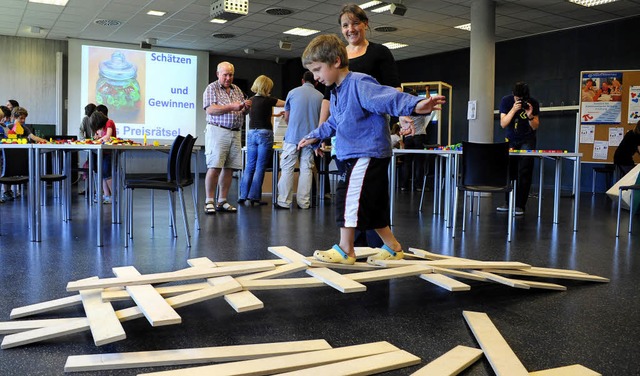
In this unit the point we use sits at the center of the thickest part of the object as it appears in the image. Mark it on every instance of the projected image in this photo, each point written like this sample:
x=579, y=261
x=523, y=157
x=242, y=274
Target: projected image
x=118, y=83
x=148, y=93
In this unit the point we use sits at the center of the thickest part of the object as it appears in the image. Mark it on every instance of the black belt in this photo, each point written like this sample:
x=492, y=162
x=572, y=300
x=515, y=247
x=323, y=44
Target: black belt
x=229, y=129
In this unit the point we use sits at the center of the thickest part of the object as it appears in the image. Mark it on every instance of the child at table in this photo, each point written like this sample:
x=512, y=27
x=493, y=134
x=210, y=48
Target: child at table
x=104, y=128
x=358, y=107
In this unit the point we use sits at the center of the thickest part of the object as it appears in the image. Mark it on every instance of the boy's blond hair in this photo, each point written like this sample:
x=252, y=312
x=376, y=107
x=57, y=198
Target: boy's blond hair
x=262, y=85
x=16, y=112
x=325, y=49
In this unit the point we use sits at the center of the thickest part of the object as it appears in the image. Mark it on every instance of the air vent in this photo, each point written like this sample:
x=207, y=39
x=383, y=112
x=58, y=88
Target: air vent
x=104, y=22
x=279, y=11
x=385, y=29
x=223, y=35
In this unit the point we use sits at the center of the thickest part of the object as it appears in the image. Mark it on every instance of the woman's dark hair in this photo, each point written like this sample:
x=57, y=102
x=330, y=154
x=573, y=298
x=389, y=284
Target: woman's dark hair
x=103, y=109
x=6, y=112
x=636, y=130
x=14, y=103
x=97, y=120
x=354, y=10
x=88, y=109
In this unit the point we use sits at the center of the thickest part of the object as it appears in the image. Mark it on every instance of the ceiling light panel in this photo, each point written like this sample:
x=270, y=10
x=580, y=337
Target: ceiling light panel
x=301, y=31
x=394, y=45
x=51, y=2
x=466, y=27
x=157, y=13
x=370, y=4
x=591, y=3
x=382, y=9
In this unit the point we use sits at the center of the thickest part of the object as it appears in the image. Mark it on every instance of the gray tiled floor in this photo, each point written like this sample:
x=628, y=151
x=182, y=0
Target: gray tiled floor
x=592, y=324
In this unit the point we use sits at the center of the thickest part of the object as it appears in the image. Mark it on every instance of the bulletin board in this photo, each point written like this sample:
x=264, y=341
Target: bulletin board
x=609, y=108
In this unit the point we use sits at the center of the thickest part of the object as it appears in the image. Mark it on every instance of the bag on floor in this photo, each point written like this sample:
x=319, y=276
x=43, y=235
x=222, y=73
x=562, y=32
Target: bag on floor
x=633, y=177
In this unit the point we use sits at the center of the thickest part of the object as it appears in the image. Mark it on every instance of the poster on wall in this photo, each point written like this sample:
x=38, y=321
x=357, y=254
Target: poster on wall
x=601, y=98
x=600, y=150
x=615, y=135
x=634, y=106
x=587, y=133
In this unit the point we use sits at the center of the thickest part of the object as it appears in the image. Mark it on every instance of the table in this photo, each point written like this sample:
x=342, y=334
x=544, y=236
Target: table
x=451, y=167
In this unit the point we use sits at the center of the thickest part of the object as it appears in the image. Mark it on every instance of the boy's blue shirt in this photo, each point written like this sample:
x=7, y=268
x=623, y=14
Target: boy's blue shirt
x=357, y=118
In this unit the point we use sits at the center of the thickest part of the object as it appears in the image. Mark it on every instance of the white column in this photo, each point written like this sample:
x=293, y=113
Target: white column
x=482, y=69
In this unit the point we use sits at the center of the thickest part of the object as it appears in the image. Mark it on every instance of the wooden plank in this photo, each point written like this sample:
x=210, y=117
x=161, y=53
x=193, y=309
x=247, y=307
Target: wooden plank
x=165, y=291
x=287, y=254
x=367, y=365
x=277, y=272
x=555, y=275
x=111, y=361
x=356, y=266
x=501, y=357
x=103, y=322
x=48, y=306
x=54, y=331
x=275, y=262
x=242, y=301
x=126, y=314
x=183, y=275
x=284, y=363
x=364, y=252
x=554, y=270
x=502, y=280
x=451, y=363
x=336, y=280
x=430, y=255
x=282, y=283
x=388, y=273
x=457, y=264
x=201, y=262
x=17, y=326
x=541, y=285
x=572, y=370
x=459, y=273
x=445, y=282
x=157, y=311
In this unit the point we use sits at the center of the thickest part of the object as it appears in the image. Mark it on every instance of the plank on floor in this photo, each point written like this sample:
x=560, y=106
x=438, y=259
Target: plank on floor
x=284, y=363
x=157, y=311
x=445, y=282
x=356, y=266
x=17, y=326
x=277, y=272
x=367, y=365
x=388, y=273
x=502, y=280
x=287, y=254
x=103, y=322
x=572, y=370
x=336, y=280
x=281, y=283
x=457, y=264
x=48, y=306
x=180, y=275
x=54, y=331
x=548, y=274
x=451, y=363
x=501, y=357
x=116, y=295
x=241, y=301
x=111, y=361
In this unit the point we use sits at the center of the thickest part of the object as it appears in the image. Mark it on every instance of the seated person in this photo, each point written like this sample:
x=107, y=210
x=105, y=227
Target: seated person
x=18, y=117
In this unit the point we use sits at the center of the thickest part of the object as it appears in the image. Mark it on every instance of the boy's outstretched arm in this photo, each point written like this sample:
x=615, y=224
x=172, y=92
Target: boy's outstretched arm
x=307, y=141
x=430, y=104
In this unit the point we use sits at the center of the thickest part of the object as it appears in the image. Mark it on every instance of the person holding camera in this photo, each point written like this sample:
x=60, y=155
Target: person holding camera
x=519, y=118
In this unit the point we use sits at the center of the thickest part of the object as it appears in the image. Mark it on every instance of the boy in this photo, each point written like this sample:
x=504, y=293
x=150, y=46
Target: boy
x=19, y=116
x=358, y=104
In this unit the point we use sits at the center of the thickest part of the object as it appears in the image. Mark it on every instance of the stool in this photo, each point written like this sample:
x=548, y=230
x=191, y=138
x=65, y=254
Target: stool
x=632, y=188
x=608, y=173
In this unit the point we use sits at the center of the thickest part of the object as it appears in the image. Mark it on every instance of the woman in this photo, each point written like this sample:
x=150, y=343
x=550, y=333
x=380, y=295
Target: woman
x=623, y=157
x=259, y=141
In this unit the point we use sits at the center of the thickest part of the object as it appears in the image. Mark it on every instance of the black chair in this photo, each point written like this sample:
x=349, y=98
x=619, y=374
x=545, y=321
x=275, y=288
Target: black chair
x=485, y=168
x=632, y=188
x=608, y=171
x=15, y=167
x=177, y=178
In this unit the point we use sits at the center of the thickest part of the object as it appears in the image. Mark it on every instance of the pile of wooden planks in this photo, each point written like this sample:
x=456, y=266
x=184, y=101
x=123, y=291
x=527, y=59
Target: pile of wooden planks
x=157, y=296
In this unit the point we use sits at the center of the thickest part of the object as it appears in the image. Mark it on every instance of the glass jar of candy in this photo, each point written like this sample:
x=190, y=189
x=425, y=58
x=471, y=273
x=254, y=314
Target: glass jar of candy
x=117, y=87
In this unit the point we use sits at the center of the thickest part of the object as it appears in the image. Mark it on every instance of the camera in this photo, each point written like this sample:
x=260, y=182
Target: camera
x=524, y=102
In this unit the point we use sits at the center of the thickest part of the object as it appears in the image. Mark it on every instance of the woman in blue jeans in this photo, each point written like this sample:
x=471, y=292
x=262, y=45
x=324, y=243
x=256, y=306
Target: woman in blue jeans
x=259, y=141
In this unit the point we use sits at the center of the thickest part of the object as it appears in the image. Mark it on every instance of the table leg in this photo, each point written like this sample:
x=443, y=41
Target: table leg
x=274, y=176
x=576, y=203
x=99, y=203
x=556, y=193
x=392, y=188
x=540, y=184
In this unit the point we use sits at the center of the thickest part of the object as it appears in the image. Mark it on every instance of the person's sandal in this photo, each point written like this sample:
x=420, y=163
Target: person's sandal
x=386, y=254
x=209, y=207
x=335, y=255
x=224, y=206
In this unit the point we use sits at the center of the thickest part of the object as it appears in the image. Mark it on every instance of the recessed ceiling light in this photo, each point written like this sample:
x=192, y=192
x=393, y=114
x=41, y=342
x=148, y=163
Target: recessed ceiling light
x=50, y=2
x=278, y=11
x=104, y=22
x=466, y=27
x=157, y=13
x=382, y=9
x=218, y=21
x=370, y=4
x=394, y=45
x=301, y=31
x=591, y=3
